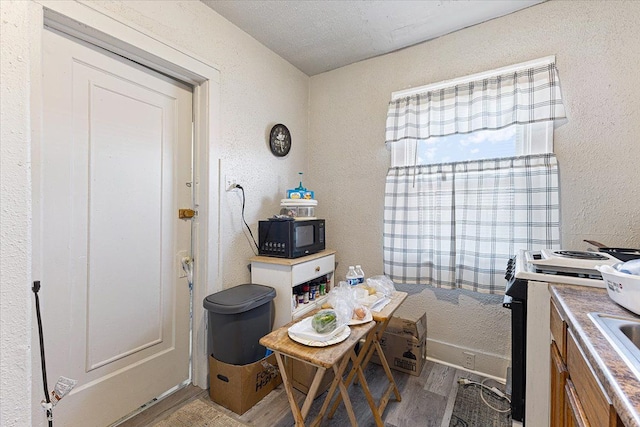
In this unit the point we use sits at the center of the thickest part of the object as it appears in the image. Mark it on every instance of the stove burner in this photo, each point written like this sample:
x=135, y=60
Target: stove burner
x=581, y=255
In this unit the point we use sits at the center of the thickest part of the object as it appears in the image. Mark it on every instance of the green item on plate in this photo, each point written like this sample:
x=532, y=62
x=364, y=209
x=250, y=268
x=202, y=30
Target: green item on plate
x=324, y=321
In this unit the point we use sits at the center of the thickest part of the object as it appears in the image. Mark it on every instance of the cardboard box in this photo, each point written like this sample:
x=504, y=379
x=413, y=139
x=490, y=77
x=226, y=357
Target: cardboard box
x=404, y=344
x=404, y=353
x=410, y=325
x=301, y=376
x=239, y=387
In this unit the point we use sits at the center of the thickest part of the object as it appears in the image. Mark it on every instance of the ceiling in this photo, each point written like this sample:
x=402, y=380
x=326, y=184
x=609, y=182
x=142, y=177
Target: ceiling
x=318, y=36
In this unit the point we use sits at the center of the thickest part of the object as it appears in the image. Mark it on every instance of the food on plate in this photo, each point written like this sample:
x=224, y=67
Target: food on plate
x=359, y=313
x=326, y=305
x=324, y=321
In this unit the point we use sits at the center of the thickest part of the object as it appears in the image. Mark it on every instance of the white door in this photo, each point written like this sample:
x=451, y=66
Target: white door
x=111, y=173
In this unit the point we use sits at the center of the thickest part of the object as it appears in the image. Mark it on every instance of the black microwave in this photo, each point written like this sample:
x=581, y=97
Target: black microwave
x=290, y=238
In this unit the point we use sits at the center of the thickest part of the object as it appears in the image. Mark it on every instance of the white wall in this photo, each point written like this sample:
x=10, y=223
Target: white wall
x=258, y=90
x=597, y=50
x=15, y=215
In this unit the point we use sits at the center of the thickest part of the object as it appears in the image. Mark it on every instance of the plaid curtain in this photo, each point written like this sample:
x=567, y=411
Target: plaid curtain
x=522, y=97
x=459, y=223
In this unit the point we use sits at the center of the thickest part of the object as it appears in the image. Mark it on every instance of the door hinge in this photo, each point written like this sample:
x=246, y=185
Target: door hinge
x=186, y=213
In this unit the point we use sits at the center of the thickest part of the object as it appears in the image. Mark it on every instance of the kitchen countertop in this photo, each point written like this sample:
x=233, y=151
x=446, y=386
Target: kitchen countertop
x=620, y=383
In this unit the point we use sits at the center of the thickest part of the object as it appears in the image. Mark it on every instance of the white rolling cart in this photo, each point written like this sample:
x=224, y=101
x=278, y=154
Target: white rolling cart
x=284, y=274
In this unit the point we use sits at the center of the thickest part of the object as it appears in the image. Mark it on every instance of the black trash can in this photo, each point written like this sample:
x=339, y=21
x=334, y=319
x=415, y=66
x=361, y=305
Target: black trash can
x=238, y=318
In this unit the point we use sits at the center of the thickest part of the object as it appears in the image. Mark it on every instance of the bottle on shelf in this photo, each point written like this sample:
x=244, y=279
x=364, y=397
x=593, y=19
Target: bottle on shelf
x=300, y=298
x=313, y=291
x=305, y=293
x=352, y=276
x=360, y=274
x=322, y=286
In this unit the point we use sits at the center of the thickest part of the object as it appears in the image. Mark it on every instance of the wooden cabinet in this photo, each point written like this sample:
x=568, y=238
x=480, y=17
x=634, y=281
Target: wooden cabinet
x=285, y=274
x=558, y=330
x=558, y=382
x=577, y=398
x=559, y=371
x=574, y=415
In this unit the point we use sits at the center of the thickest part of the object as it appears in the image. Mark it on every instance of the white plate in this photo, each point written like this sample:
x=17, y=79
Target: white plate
x=304, y=330
x=346, y=331
x=367, y=318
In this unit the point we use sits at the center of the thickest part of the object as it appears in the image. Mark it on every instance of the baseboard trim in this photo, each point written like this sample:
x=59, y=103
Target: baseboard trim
x=486, y=364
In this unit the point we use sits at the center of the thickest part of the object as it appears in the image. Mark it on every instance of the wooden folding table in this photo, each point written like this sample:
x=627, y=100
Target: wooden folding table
x=371, y=346
x=335, y=357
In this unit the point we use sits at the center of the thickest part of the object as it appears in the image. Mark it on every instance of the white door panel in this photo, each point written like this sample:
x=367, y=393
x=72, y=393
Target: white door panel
x=135, y=212
x=114, y=169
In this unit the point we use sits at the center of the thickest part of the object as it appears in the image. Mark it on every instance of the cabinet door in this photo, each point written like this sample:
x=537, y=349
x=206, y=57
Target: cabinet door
x=574, y=415
x=558, y=330
x=558, y=381
x=596, y=404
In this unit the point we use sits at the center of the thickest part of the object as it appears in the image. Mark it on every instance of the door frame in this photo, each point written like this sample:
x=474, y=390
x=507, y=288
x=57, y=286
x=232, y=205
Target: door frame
x=100, y=27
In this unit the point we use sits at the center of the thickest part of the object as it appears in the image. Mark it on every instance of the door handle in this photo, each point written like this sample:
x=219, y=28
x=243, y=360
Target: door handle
x=186, y=213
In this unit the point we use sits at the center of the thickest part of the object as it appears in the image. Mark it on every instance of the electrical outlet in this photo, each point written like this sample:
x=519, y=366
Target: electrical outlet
x=229, y=183
x=469, y=361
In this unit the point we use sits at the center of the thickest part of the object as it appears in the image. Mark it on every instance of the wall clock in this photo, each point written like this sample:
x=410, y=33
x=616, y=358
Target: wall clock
x=280, y=140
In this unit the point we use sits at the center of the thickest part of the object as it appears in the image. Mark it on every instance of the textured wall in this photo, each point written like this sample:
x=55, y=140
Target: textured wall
x=258, y=90
x=597, y=51
x=15, y=216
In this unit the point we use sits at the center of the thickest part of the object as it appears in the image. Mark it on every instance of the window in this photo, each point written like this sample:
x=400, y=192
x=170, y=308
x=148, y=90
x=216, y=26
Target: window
x=473, y=177
x=514, y=140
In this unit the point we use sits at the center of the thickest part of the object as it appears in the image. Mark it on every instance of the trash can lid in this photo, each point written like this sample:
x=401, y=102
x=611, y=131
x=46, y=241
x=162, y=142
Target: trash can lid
x=239, y=299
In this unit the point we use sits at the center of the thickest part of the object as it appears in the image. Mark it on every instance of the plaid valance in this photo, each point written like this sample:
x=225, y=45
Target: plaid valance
x=521, y=97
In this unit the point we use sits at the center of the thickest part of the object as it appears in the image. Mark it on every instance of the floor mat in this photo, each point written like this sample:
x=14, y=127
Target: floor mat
x=198, y=414
x=470, y=411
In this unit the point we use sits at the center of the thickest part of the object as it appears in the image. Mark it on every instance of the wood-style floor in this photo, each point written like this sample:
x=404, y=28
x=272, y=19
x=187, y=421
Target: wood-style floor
x=427, y=400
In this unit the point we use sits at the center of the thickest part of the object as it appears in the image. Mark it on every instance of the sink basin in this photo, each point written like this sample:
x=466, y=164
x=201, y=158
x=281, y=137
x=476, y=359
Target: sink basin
x=624, y=335
x=632, y=331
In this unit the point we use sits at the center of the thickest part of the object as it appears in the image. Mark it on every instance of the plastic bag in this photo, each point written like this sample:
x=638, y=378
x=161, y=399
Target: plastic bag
x=360, y=312
x=348, y=300
x=382, y=284
x=342, y=301
x=629, y=267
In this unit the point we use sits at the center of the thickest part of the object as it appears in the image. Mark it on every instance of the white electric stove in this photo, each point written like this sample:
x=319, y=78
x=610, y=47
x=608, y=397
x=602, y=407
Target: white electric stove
x=562, y=266
x=527, y=296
